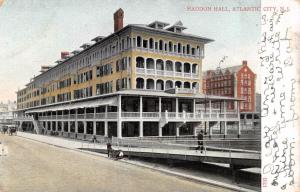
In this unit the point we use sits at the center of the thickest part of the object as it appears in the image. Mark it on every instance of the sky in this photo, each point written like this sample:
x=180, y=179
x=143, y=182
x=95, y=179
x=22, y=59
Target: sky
x=34, y=32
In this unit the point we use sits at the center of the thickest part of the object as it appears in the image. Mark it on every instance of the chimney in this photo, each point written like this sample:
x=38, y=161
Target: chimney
x=118, y=20
x=64, y=54
x=244, y=63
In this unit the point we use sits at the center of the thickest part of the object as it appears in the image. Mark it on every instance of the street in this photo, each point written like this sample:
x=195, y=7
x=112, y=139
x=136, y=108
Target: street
x=33, y=166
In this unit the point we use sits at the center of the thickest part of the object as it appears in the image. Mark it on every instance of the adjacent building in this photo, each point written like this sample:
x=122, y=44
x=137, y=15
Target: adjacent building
x=6, y=113
x=141, y=80
x=236, y=81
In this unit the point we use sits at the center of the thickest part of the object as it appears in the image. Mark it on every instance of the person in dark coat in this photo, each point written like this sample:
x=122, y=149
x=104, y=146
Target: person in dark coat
x=200, y=141
x=109, y=149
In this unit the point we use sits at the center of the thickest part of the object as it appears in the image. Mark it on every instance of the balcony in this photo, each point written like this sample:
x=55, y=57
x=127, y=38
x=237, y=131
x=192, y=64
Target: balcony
x=133, y=116
x=166, y=73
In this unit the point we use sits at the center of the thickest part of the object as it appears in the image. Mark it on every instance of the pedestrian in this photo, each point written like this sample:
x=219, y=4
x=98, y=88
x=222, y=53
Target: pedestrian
x=109, y=149
x=200, y=141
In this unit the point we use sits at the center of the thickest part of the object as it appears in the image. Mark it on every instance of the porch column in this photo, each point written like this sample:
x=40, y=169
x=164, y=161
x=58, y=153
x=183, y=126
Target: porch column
x=84, y=127
x=62, y=126
x=119, y=122
x=141, y=107
x=177, y=129
x=159, y=107
x=56, y=122
x=69, y=122
x=76, y=124
x=56, y=125
x=105, y=122
x=105, y=113
x=194, y=108
x=174, y=71
x=225, y=128
x=69, y=126
x=159, y=131
x=94, y=127
x=141, y=132
x=194, y=128
x=176, y=107
x=105, y=128
x=210, y=129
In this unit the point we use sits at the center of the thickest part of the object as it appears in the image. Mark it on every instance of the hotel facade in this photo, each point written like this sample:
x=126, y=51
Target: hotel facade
x=140, y=81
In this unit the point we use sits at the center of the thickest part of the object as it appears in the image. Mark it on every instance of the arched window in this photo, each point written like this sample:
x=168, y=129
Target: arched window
x=169, y=84
x=150, y=63
x=150, y=84
x=198, y=51
x=159, y=84
x=195, y=85
x=195, y=68
x=178, y=84
x=151, y=43
x=140, y=83
x=140, y=62
x=179, y=48
x=139, y=41
x=193, y=51
x=161, y=44
x=187, y=67
x=187, y=85
x=178, y=67
x=159, y=64
x=169, y=65
x=170, y=46
x=188, y=47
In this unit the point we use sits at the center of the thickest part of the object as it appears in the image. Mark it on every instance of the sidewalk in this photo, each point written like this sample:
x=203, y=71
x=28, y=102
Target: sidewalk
x=76, y=145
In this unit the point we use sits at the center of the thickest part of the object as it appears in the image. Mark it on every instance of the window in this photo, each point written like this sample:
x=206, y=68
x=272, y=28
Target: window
x=161, y=45
x=151, y=43
x=193, y=51
x=145, y=43
x=139, y=41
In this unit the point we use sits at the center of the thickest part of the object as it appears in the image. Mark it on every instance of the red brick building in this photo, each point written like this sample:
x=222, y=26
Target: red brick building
x=236, y=81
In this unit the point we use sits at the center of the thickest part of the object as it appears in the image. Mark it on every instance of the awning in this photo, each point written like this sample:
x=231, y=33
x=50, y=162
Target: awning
x=112, y=101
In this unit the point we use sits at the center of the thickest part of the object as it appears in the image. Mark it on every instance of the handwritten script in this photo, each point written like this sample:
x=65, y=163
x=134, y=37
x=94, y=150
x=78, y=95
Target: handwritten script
x=279, y=113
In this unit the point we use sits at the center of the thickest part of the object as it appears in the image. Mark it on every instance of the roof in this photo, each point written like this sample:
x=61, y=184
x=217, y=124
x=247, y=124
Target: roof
x=199, y=38
x=137, y=26
x=137, y=92
x=164, y=24
x=232, y=70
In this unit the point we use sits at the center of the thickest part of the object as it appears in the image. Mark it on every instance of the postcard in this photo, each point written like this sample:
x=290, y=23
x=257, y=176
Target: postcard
x=161, y=95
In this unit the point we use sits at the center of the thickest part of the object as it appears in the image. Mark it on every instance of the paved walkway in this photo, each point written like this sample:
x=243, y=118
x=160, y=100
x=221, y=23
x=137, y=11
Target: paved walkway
x=35, y=167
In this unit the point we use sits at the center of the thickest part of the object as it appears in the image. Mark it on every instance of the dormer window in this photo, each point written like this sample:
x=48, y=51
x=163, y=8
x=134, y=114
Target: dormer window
x=177, y=27
x=158, y=25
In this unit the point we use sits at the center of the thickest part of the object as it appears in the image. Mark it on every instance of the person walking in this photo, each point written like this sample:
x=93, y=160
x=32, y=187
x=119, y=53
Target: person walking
x=109, y=149
x=200, y=141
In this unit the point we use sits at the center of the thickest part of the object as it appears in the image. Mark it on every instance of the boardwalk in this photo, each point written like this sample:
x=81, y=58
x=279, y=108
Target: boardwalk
x=34, y=166
x=251, y=159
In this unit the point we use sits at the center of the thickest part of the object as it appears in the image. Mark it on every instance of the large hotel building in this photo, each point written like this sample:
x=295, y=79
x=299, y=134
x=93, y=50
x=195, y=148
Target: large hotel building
x=142, y=80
